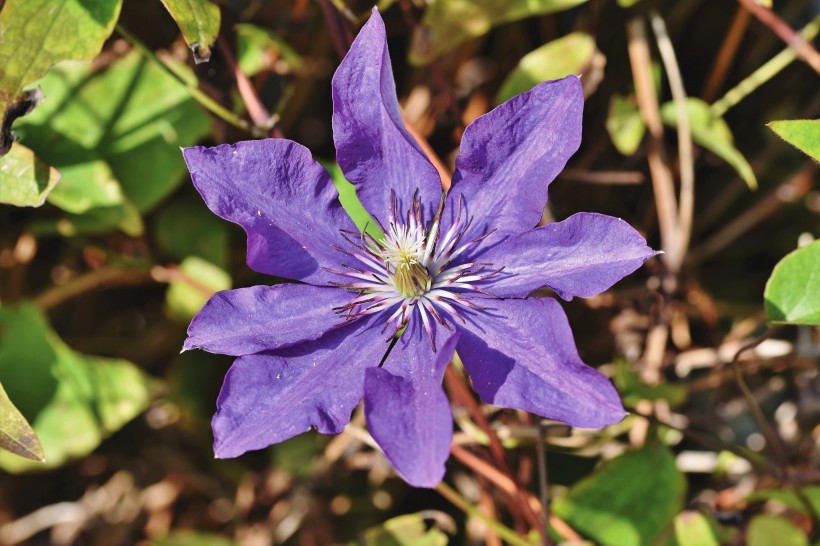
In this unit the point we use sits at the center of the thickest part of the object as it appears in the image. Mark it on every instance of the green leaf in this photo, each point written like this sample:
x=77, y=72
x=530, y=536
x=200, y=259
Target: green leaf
x=765, y=530
x=256, y=47
x=625, y=124
x=197, y=281
x=72, y=400
x=406, y=530
x=187, y=228
x=115, y=137
x=712, y=133
x=792, y=293
x=694, y=529
x=803, y=134
x=556, y=59
x=627, y=3
x=633, y=390
x=35, y=34
x=350, y=201
x=622, y=503
x=448, y=23
x=16, y=435
x=86, y=186
x=25, y=181
x=199, y=22
x=789, y=498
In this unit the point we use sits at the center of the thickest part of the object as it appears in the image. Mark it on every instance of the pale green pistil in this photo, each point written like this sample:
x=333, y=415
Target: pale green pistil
x=412, y=279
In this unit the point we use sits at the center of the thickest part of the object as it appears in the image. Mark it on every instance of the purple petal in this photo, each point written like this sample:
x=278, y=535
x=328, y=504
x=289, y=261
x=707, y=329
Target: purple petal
x=373, y=148
x=284, y=200
x=510, y=155
x=407, y=411
x=520, y=354
x=250, y=320
x=272, y=396
x=581, y=256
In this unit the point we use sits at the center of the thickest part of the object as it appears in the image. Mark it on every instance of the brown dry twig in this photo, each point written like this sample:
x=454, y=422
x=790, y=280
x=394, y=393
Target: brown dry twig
x=803, y=49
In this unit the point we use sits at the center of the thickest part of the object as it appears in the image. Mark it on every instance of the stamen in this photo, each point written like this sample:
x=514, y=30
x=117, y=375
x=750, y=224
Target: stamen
x=409, y=269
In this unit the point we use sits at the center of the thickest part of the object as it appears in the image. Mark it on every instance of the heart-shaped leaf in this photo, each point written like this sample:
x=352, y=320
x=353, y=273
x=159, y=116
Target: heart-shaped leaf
x=792, y=293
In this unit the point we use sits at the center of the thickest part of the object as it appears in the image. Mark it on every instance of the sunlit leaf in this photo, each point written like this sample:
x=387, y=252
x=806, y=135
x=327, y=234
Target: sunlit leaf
x=115, y=137
x=199, y=22
x=86, y=186
x=625, y=124
x=712, y=133
x=694, y=529
x=448, y=23
x=350, y=201
x=766, y=530
x=72, y=400
x=35, y=34
x=803, y=134
x=256, y=47
x=97, y=220
x=567, y=55
x=792, y=293
x=25, y=181
x=407, y=530
x=624, y=504
x=633, y=390
x=16, y=435
x=790, y=498
x=192, y=285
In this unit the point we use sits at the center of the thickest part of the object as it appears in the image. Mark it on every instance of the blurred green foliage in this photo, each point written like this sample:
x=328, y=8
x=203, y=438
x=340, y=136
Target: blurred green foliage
x=630, y=501
x=99, y=160
x=73, y=400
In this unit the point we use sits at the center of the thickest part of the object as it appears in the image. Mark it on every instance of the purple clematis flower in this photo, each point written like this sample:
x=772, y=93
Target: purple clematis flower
x=453, y=270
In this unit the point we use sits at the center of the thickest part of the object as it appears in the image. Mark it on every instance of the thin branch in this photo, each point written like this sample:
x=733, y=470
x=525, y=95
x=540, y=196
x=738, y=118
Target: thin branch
x=727, y=53
x=203, y=99
x=614, y=178
x=763, y=74
x=443, y=171
x=772, y=440
x=434, y=66
x=786, y=192
x=464, y=505
x=105, y=277
x=460, y=395
x=541, y=449
x=687, y=167
x=508, y=486
x=340, y=33
x=801, y=47
x=259, y=114
x=662, y=181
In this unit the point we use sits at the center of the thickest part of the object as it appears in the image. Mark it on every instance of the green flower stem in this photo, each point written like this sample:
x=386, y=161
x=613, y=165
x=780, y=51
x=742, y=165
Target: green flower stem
x=763, y=74
x=464, y=505
x=204, y=100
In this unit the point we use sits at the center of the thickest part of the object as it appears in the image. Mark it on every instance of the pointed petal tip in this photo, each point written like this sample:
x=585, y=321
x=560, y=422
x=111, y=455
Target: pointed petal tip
x=609, y=416
x=223, y=451
x=188, y=345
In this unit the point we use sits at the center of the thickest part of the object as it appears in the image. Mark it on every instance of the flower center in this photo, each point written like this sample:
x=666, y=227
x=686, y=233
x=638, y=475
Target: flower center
x=414, y=267
x=403, y=253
